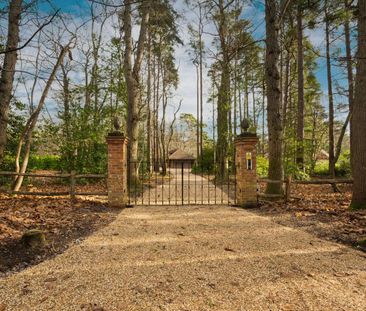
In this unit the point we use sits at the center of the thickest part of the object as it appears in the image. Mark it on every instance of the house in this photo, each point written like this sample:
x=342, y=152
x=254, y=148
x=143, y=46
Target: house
x=178, y=157
x=322, y=155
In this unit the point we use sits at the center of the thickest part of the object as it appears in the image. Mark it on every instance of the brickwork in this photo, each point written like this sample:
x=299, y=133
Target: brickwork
x=246, y=170
x=117, y=171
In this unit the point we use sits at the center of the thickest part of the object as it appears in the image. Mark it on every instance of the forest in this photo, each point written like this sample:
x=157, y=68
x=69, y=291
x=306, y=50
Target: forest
x=182, y=155
x=293, y=69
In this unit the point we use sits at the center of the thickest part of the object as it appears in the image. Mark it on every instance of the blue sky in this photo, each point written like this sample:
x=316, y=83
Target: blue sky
x=187, y=87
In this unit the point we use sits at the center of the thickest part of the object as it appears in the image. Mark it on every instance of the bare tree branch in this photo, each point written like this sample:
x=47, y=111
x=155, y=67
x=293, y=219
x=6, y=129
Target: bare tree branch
x=32, y=36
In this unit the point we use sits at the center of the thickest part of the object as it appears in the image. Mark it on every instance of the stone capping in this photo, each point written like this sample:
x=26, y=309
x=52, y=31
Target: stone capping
x=117, y=136
x=247, y=134
x=247, y=139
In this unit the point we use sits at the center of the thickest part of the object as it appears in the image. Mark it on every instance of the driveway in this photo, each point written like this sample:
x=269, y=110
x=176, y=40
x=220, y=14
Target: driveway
x=193, y=258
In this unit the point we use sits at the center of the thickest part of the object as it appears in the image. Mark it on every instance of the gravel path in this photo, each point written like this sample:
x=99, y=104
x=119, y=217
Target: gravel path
x=193, y=258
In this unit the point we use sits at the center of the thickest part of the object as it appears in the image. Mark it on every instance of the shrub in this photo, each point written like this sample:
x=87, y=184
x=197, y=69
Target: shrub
x=293, y=170
x=206, y=163
x=343, y=166
x=321, y=168
x=36, y=162
x=44, y=162
x=262, y=166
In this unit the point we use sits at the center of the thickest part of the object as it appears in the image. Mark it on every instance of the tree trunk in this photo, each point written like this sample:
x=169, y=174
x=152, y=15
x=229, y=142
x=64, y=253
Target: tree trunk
x=148, y=95
x=330, y=96
x=198, y=113
x=222, y=121
x=223, y=100
x=300, y=99
x=132, y=76
x=338, y=148
x=347, y=38
x=67, y=118
x=286, y=90
x=201, y=82
x=272, y=75
x=263, y=115
x=359, y=116
x=31, y=124
x=246, y=97
x=8, y=68
x=253, y=105
x=235, y=95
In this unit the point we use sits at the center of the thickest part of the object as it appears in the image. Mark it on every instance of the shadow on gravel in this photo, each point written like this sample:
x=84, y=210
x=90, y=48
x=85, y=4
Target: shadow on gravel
x=62, y=223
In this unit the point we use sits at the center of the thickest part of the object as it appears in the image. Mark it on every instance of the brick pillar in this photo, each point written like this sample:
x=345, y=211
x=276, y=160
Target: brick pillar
x=117, y=170
x=246, y=170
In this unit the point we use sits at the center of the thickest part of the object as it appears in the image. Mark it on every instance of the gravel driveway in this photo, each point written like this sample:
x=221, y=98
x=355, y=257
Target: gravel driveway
x=193, y=258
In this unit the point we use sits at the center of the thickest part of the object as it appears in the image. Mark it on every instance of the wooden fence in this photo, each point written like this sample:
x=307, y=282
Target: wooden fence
x=72, y=184
x=288, y=181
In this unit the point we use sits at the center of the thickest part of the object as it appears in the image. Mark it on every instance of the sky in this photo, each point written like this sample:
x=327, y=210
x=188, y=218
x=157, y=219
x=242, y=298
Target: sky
x=187, y=72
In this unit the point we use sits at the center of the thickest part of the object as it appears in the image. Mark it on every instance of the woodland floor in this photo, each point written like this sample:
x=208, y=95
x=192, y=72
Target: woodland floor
x=318, y=210
x=185, y=258
x=64, y=224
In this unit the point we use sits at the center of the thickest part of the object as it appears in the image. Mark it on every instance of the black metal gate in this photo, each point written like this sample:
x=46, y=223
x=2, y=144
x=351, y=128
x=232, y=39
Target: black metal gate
x=181, y=185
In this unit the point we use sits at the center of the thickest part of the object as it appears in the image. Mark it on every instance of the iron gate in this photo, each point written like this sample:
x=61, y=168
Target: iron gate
x=181, y=185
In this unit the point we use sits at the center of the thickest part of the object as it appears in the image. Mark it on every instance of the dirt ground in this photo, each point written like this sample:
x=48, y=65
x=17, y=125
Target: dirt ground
x=193, y=258
x=276, y=257
x=63, y=223
x=315, y=209
x=318, y=210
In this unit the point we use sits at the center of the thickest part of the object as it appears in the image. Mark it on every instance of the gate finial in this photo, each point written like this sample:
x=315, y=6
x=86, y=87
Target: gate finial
x=116, y=124
x=244, y=125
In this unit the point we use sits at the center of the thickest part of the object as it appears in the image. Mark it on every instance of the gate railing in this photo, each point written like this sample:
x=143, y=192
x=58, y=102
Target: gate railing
x=180, y=185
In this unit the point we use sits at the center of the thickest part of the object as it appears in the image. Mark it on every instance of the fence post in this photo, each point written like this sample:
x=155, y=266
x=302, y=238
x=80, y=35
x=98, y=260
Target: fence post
x=288, y=188
x=182, y=183
x=72, y=186
x=117, y=170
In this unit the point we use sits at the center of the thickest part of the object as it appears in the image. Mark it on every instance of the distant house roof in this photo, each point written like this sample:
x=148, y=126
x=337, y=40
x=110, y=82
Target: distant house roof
x=172, y=151
x=181, y=155
x=322, y=155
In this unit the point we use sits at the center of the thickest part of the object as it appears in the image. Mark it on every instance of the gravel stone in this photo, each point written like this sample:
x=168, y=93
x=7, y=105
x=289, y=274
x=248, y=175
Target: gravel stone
x=193, y=258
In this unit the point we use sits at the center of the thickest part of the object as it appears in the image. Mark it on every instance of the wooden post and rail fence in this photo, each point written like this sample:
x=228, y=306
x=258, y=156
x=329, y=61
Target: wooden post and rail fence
x=288, y=182
x=73, y=177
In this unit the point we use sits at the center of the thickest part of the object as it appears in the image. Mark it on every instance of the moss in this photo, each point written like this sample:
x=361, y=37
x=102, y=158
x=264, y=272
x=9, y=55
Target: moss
x=34, y=238
x=274, y=188
x=357, y=206
x=361, y=245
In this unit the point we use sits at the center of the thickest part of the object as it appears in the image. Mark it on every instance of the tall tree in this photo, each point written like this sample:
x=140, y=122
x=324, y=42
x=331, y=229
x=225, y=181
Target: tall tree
x=197, y=46
x=358, y=123
x=132, y=76
x=347, y=40
x=330, y=90
x=31, y=124
x=223, y=98
x=8, y=68
x=273, y=88
x=300, y=88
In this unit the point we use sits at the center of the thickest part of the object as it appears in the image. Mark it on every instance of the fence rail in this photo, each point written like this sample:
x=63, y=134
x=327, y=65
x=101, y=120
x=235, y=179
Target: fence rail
x=289, y=181
x=72, y=184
